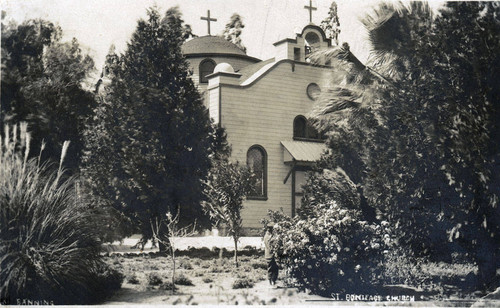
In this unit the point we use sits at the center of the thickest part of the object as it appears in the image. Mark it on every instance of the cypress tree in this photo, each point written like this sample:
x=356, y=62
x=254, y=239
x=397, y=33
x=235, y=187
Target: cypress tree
x=162, y=137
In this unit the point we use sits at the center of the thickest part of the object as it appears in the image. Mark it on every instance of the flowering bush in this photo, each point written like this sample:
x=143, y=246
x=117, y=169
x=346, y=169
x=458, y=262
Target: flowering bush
x=331, y=250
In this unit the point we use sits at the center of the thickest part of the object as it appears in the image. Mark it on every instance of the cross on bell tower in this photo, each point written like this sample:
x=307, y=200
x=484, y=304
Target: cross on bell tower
x=310, y=8
x=208, y=19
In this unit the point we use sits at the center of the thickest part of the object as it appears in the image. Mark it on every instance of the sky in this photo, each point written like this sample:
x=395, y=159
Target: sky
x=97, y=24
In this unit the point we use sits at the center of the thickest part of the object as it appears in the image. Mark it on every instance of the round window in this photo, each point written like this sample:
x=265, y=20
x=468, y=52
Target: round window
x=313, y=91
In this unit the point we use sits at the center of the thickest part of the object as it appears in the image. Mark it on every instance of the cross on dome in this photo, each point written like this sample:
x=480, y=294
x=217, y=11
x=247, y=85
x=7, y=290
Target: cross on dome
x=310, y=8
x=208, y=19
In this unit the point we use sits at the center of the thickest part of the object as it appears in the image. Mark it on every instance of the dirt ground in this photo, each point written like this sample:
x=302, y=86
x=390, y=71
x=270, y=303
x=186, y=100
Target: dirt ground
x=148, y=277
x=212, y=282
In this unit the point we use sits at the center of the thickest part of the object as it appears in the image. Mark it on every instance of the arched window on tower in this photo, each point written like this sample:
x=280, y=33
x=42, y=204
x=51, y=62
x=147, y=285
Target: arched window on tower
x=257, y=163
x=312, y=43
x=206, y=68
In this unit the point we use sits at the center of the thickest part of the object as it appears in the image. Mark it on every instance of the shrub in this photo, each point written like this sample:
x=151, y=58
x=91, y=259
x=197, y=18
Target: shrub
x=183, y=281
x=168, y=286
x=259, y=265
x=185, y=265
x=154, y=279
x=207, y=280
x=108, y=280
x=199, y=273
x=401, y=267
x=331, y=250
x=246, y=269
x=49, y=245
x=243, y=283
x=133, y=279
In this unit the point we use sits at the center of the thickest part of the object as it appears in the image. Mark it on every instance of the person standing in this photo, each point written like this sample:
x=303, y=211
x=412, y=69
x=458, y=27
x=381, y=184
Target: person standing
x=269, y=254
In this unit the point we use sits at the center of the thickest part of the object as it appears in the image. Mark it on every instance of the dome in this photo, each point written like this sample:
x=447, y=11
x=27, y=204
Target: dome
x=224, y=67
x=210, y=45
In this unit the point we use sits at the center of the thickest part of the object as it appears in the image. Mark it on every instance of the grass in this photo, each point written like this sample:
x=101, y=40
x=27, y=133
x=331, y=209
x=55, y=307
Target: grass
x=434, y=277
x=48, y=237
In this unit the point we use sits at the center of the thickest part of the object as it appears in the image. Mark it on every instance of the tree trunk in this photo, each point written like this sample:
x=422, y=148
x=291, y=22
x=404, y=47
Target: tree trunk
x=235, y=251
x=173, y=271
x=487, y=260
x=487, y=246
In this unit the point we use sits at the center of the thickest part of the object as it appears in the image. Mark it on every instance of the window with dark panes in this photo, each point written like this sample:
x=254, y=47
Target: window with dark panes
x=206, y=68
x=257, y=163
x=302, y=129
x=299, y=127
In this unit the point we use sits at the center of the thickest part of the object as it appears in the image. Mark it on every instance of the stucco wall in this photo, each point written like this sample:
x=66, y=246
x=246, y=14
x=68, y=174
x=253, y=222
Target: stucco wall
x=263, y=114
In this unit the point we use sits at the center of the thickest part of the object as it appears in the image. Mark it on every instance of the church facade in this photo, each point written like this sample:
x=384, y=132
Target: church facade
x=263, y=105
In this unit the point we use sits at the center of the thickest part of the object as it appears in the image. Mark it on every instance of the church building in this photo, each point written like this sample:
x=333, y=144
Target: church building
x=263, y=107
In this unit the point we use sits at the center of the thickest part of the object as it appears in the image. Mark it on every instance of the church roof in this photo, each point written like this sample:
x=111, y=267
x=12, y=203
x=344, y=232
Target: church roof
x=210, y=45
x=251, y=69
x=303, y=151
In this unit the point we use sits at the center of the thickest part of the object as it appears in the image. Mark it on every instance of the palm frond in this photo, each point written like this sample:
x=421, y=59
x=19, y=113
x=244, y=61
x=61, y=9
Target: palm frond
x=391, y=32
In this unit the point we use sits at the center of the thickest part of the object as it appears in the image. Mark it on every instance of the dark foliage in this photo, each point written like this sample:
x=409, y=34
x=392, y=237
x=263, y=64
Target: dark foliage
x=416, y=130
x=149, y=146
x=43, y=85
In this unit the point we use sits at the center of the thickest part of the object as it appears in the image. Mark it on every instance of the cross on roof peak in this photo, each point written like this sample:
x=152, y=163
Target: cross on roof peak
x=310, y=8
x=208, y=19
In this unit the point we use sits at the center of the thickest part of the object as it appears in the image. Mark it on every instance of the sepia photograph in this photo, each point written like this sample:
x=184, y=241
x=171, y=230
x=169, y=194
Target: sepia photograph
x=250, y=152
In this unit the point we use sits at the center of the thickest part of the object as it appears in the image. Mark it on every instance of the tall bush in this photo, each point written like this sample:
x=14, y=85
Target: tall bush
x=330, y=251
x=152, y=119
x=49, y=247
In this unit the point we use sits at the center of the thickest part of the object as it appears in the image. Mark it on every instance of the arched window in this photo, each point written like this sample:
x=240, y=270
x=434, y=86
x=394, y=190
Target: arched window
x=257, y=163
x=303, y=130
x=312, y=42
x=299, y=127
x=206, y=68
x=312, y=39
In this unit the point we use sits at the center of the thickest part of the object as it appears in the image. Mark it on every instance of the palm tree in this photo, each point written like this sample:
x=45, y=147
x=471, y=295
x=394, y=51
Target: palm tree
x=417, y=119
x=376, y=135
